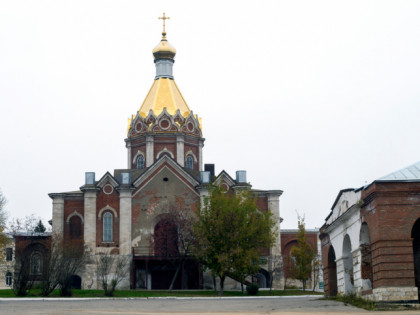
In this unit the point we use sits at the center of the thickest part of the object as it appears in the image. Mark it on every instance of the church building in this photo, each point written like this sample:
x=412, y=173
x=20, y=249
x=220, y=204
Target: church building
x=119, y=212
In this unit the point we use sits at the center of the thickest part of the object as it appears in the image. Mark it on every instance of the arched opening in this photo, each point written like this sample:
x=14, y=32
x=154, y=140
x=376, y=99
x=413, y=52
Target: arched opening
x=36, y=263
x=332, y=273
x=75, y=225
x=140, y=162
x=262, y=278
x=366, y=253
x=348, y=266
x=9, y=278
x=165, y=238
x=76, y=282
x=415, y=235
x=189, y=162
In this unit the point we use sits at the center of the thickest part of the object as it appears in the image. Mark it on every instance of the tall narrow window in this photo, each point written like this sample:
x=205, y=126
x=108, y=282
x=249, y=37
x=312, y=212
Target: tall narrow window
x=8, y=278
x=9, y=254
x=140, y=162
x=190, y=162
x=36, y=262
x=75, y=225
x=107, y=227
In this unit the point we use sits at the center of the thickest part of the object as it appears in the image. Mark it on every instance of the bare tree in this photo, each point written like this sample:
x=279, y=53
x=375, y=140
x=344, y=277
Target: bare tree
x=27, y=241
x=63, y=260
x=111, y=269
x=4, y=239
x=275, y=268
x=176, y=239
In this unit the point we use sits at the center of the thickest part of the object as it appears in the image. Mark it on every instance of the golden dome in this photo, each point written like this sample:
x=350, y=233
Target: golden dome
x=164, y=93
x=164, y=49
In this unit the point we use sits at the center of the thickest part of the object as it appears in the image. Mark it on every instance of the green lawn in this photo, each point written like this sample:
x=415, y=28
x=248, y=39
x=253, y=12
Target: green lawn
x=144, y=293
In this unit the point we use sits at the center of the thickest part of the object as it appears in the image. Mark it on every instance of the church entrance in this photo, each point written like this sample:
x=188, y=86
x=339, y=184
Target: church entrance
x=415, y=235
x=332, y=273
x=153, y=273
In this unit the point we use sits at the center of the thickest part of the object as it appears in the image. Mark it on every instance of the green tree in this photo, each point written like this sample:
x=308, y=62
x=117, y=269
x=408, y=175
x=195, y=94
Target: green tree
x=40, y=228
x=302, y=255
x=230, y=232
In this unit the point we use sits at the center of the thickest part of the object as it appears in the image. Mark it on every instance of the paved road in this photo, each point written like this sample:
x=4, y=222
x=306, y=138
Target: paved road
x=275, y=306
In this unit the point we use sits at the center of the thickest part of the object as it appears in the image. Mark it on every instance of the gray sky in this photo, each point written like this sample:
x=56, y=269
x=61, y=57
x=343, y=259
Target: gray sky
x=309, y=97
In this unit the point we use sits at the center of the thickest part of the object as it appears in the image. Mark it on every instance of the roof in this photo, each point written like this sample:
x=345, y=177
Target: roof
x=164, y=93
x=409, y=173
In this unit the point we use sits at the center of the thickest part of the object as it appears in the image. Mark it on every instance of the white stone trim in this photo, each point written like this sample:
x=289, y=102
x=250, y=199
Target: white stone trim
x=107, y=207
x=112, y=189
x=144, y=178
x=165, y=150
x=75, y=213
x=139, y=152
x=192, y=154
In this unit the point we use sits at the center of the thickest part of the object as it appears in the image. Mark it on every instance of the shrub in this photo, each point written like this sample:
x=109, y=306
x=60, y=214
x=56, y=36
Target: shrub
x=252, y=289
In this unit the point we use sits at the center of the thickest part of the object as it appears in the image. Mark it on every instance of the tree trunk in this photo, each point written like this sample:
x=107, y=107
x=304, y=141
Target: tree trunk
x=242, y=288
x=214, y=284
x=176, y=275
x=303, y=284
x=222, y=283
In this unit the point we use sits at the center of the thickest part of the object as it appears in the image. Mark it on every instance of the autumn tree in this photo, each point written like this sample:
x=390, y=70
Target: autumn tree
x=302, y=255
x=230, y=232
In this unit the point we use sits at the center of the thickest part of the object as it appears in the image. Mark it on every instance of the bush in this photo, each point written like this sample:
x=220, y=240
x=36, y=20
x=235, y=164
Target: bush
x=252, y=289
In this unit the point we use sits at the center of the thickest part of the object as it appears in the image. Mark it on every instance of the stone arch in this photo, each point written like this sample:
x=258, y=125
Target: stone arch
x=165, y=151
x=109, y=208
x=331, y=288
x=75, y=213
x=366, y=257
x=348, y=266
x=137, y=156
x=415, y=235
x=262, y=278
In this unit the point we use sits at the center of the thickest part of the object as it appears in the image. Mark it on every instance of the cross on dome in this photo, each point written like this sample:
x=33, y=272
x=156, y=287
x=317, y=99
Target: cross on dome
x=164, y=18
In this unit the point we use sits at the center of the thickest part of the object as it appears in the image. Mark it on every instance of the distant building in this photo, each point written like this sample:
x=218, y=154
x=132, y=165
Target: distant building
x=288, y=241
x=26, y=254
x=7, y=266
x=371, y=239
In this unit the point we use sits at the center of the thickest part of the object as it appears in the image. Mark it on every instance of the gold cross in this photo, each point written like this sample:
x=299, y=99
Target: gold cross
x=164, y=18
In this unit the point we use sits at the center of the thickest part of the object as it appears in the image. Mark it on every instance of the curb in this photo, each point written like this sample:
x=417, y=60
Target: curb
x=157, y=298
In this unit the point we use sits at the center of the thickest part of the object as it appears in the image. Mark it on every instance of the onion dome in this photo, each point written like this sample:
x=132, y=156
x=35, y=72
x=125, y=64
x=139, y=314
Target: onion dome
x=164, y=50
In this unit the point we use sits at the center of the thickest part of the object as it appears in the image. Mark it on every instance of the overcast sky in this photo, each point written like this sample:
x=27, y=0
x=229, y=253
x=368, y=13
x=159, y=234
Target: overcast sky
x=309, y=97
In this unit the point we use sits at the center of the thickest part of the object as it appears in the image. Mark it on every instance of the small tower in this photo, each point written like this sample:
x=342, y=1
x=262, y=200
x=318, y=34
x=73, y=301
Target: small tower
x=164, y=123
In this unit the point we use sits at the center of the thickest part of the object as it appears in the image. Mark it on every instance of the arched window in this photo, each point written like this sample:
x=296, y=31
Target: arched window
x=189, y=162
x=8, y=278
x=140, y=162
x=75, y=224
x=36, y=263
x=107, y=227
